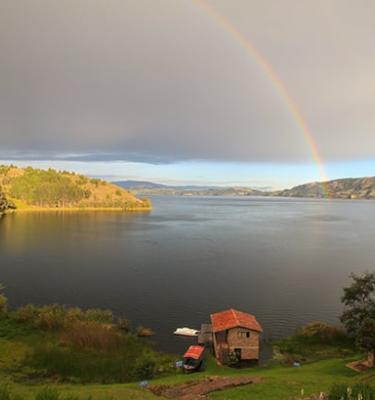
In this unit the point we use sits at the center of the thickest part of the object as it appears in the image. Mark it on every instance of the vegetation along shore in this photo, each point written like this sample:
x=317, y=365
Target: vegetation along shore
x=56, y=352
x=36, y=190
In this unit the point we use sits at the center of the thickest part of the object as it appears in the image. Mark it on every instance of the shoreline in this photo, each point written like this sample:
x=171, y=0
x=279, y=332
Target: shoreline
x=77, y=209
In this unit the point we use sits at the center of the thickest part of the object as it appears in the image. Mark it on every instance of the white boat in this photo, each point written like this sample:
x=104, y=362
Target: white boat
x=186, y=332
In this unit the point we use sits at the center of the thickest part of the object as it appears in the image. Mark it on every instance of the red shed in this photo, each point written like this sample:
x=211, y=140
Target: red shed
x=193, y=358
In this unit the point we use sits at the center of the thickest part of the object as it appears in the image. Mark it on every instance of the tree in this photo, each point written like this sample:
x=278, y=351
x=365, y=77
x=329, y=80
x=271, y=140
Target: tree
x=359, y=316
x=366, y=339
x=359, y=300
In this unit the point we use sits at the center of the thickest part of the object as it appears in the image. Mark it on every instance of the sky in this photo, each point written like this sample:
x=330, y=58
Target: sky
x=220, y=92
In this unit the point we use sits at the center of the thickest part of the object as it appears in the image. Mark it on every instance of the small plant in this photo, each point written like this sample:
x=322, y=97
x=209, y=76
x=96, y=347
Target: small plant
x=234, y=358
x=144, y=332
x=51, y=317
x=27, y=313
x=123, y=324
x=145, y=367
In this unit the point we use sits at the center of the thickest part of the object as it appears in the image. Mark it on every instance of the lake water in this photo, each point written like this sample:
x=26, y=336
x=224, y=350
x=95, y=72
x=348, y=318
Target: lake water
x=283, y=260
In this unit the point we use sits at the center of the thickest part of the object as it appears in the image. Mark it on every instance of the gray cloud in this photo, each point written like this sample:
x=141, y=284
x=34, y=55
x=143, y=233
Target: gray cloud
x=162, y=81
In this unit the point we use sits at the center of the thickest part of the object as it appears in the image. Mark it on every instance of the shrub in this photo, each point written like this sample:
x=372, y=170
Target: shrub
x=27, y=313
x=47, y=393
x=320, y=331
x=51, y=317
x=144, y=332
x=73, y=315
x=123, y=324
x=145, y=367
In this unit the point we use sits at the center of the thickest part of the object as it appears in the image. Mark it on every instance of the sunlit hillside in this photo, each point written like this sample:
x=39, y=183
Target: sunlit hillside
x=36, y=188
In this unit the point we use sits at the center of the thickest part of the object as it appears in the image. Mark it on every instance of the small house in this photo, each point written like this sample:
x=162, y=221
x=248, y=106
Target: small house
x=235, y=333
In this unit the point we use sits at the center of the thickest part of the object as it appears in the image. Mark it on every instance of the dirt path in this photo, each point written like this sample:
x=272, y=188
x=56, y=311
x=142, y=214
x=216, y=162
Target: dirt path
x=197, y=390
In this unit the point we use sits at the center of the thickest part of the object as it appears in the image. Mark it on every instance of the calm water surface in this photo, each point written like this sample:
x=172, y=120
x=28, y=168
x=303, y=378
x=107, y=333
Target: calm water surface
x=284, y=260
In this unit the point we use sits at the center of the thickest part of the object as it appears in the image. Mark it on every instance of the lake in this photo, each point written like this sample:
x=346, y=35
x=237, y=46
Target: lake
x=284, y=260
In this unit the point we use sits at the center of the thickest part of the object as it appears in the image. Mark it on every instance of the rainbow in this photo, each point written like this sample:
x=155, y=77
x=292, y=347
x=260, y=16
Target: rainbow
x=277, y=83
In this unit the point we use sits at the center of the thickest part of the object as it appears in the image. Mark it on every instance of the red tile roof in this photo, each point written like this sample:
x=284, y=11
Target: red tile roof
x=194, y=352
x=229, y=319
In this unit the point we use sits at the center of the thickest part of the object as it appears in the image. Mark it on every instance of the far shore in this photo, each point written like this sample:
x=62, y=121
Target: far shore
x=75, y=209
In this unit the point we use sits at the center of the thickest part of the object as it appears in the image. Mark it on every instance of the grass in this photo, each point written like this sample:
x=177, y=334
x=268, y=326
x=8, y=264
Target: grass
x=279, y=383
x=70, y=369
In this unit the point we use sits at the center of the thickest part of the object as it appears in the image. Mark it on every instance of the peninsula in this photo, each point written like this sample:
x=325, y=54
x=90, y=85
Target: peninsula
x=37, y=189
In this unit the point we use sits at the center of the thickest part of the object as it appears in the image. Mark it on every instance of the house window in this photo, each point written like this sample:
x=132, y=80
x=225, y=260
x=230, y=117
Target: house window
x=241, y=334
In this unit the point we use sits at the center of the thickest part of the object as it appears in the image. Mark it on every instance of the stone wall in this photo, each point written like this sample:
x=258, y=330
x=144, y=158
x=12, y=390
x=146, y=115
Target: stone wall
x=246, y=340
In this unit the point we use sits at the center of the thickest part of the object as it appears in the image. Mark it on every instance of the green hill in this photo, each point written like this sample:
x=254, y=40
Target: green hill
x=350, y=188
x=30, y=188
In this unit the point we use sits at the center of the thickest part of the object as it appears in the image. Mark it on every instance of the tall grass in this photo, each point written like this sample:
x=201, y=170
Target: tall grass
x=92, y=335
x=56, y=317
x=359, y=391
x=124, y=363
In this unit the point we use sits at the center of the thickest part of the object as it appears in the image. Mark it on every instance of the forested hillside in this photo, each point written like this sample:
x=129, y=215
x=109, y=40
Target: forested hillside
x=350, y=188
x=32, y=188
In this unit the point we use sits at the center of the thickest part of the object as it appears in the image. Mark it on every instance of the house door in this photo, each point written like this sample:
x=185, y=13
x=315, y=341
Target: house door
x=238, y=354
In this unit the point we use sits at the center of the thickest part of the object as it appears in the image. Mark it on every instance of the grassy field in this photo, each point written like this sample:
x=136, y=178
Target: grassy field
x=88, y=354
x=280, y=381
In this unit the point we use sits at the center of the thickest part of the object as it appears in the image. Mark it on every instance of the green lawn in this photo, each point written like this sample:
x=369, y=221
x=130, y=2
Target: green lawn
x=280, y=382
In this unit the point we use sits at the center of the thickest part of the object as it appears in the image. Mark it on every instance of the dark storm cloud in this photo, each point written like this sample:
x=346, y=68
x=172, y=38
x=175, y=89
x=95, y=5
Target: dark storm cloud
x=161, y=81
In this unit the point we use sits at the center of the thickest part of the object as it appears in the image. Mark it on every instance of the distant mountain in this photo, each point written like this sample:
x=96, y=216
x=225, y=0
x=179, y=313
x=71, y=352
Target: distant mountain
x=151, y=188
x=36, y=188
x=349, y=188
x=129, y=184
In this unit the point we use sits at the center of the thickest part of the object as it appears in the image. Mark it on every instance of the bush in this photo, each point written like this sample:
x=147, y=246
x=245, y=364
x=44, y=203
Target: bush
x=358, y=391
x=47, y=393
x=321, y=332
x=123, y=324
x=27, y=313
x=51, y=317
x=145, y=367
x=144, y=332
